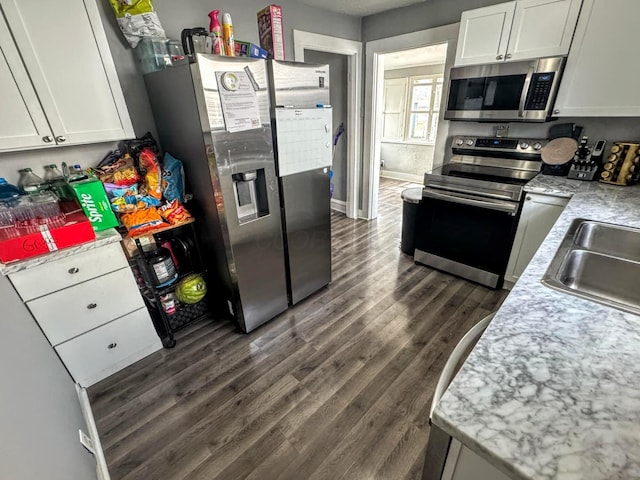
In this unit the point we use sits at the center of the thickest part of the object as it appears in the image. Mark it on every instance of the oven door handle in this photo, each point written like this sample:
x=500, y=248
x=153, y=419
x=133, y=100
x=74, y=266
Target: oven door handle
x=508, y=207
x=525, y=91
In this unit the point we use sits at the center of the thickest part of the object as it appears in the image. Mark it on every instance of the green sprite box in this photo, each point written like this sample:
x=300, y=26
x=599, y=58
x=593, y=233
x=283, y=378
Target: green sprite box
x=95, y=203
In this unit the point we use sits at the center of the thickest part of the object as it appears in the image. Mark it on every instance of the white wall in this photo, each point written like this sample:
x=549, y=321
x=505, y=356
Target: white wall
x=39, y=409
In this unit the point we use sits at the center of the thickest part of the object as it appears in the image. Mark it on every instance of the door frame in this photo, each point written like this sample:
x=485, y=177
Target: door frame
x=353, y=50
x=373, y=103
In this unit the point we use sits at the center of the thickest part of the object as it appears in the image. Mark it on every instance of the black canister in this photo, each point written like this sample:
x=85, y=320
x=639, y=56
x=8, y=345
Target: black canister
x=161, y=271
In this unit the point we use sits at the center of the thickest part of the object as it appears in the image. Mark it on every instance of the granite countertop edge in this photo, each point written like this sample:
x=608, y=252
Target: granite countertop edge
x=103, y=238
x=548, y=392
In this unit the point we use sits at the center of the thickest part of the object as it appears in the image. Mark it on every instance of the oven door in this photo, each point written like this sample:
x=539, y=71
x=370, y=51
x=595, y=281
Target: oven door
x=466, y=235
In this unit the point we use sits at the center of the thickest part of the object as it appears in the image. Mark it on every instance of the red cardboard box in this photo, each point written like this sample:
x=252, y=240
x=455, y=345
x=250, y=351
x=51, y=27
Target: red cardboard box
x=76, y=230
x=271, y=31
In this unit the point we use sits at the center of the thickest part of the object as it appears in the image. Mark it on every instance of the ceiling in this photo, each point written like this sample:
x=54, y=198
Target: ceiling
x=431, y=55
x=359, y=8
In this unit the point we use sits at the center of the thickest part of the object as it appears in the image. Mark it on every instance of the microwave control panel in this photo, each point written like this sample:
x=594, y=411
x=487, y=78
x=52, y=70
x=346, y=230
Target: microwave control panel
x=540, y=90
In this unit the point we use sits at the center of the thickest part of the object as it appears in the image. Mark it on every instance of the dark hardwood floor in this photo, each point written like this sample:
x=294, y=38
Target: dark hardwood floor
x=337, y=387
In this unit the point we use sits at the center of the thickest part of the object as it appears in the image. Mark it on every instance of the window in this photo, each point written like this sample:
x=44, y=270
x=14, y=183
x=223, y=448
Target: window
x=411, y=108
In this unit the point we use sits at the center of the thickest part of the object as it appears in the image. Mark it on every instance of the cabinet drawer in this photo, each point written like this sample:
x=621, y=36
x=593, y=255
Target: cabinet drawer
x=65, y=272
x=76, y=310
x=105, y=350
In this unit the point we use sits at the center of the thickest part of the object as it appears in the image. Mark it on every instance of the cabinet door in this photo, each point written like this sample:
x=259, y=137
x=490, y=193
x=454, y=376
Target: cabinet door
x=539, y=214
x=542, y=28
x=22, y=122
x=67, y=56
x=601, y=76
x=484, y=34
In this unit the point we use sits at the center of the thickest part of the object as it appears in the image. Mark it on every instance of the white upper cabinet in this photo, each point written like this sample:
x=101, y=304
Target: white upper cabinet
x=22, y=122
x=65, y=53
x=601, y=75
x=484, y=34
x=518, y=30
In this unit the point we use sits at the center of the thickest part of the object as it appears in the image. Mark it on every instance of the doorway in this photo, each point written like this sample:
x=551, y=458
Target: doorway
x=346, y=182
x=425, y=124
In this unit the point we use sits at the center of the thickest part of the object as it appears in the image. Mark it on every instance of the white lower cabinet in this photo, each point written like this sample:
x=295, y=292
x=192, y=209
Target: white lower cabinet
x=101, y=352
x=90, y=309
x=539, y=213
x=463, y=464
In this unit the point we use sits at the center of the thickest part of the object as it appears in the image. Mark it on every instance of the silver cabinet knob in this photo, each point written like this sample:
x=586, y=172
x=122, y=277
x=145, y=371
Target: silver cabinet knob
x=556, y=111
x=73, y=270
x=47, y=139
x=91, y=306
x=61, y=139
x=528, y=199
x=111, y=346
x=499, y=57
x=508, y=56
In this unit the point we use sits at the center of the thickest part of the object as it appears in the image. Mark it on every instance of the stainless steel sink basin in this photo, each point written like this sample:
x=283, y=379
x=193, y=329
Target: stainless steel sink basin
x=609, y=239
x=599, y=262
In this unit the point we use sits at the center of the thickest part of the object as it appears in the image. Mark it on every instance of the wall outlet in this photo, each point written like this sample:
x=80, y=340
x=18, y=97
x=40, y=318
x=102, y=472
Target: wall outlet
x=86, y=442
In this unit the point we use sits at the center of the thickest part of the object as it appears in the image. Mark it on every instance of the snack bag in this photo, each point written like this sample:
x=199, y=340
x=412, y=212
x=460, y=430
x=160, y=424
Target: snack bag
x=121, y=172
x=142, y=220
x=174, y=213
x=152, y=175
x=173, y=179
x=137, y=19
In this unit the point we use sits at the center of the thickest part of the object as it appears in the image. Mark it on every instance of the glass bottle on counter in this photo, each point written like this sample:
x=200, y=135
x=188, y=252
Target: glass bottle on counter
x=30, y=183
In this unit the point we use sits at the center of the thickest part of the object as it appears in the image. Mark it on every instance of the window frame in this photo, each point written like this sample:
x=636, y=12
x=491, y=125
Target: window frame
x=433, y=105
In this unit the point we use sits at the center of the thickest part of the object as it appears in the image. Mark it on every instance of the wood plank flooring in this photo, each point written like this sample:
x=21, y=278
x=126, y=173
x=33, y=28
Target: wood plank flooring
x=338, y=387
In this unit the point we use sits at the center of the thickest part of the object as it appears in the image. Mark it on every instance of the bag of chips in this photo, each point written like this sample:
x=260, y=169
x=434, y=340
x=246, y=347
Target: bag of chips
x=175, y=213
x=142, y=220
x=173, y=179
x=121, y=172
x=152, y=176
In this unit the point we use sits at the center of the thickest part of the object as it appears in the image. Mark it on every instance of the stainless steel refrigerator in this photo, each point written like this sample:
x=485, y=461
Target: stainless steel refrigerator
x=302, y=123
x=223, y=136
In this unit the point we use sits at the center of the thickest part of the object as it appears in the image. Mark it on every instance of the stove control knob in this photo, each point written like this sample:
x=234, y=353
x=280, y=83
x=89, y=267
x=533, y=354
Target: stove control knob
x=524, y=145
x=537, y=146
x=470, y=142
x=460, y=141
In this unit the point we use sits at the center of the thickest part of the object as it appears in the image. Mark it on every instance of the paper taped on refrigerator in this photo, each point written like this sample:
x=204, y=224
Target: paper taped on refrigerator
x=304, y=139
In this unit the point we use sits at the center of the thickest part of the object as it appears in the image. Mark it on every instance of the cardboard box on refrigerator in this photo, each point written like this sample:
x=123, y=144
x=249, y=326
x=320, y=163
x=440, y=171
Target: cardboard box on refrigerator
x=75, y=230
x=271, y=31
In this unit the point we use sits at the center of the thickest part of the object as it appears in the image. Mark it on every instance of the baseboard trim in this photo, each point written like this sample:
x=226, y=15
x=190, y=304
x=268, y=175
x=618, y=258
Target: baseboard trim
x=339, y=205
x=408, y=177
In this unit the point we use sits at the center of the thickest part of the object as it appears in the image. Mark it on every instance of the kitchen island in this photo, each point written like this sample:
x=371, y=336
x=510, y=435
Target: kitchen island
x=551, y=389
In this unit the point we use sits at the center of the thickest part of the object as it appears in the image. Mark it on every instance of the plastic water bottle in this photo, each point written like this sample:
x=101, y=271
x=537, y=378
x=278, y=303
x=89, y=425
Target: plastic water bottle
x=30, y=183
x=76, y=173
x=8, y=193
x=56, y=183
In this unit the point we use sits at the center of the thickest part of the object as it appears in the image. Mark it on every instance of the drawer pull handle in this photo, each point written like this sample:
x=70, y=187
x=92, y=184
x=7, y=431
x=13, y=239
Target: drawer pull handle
x=91, y=306
x=112, y=345
x=74, y=270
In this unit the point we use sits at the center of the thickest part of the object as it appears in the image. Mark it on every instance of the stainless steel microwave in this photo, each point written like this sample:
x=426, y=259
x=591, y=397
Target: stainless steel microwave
x=505, y=92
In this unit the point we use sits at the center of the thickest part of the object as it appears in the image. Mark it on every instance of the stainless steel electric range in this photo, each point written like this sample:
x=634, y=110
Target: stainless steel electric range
x=471, y=205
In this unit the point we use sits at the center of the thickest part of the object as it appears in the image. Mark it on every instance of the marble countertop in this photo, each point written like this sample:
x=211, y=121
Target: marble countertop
x=557, y=186
x=105, y=237
x=552, y=389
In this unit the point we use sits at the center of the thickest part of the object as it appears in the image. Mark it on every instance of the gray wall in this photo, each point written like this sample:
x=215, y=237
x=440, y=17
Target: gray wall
x=338, y=65
x=39, y=409
x=421, y=16
x=176, y=16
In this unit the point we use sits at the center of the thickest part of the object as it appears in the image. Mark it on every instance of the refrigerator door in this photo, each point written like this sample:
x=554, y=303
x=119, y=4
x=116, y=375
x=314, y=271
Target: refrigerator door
x=307, y=231
x=246, y=194
x=299, y=85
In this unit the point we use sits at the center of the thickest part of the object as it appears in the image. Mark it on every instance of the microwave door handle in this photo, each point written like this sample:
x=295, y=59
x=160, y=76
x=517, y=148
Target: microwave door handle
x=525, y=91
x=464, y=200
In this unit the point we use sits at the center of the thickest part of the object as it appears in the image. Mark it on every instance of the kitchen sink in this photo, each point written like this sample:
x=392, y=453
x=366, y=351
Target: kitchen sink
x=599, y=262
